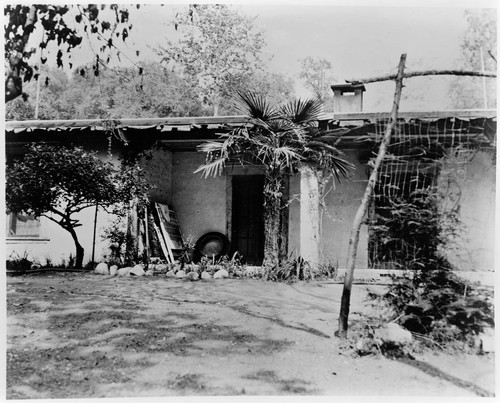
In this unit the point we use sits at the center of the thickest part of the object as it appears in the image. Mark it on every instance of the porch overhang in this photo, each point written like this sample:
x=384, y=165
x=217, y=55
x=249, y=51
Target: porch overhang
x=346, y=130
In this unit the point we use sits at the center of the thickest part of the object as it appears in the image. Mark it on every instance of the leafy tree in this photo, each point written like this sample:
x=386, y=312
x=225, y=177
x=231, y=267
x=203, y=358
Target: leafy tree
x=217, y=48
x=317, y=74
x=283, y=139
x=479, y=43
x=159, y=93
x=53, y=101
x=58, y=25
x=59, y=182
x=116, y=94
x=275, y=87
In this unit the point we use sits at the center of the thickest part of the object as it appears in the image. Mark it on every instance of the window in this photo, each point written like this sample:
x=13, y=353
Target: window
x=22, y=226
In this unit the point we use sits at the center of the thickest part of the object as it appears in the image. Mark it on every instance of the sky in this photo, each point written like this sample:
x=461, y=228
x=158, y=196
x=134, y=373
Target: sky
x=361, y=38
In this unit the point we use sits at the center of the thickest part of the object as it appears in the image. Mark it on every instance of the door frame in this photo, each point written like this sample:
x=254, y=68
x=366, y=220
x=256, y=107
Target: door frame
x=251, y=170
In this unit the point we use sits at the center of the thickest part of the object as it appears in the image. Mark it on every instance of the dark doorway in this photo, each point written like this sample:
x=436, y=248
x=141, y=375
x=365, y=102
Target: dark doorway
x=248, y=217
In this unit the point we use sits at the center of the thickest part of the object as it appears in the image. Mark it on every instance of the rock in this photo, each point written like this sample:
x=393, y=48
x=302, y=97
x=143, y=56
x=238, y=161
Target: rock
x=113, y=269
x=137, y=270
x=101, y=268
x=125, y=271
x=161, y=267
x=206, y=276
x=149, y=273
x=222, y=273
x=180, y=274
x=193, y=276
x=170, y=273
x=392, y=333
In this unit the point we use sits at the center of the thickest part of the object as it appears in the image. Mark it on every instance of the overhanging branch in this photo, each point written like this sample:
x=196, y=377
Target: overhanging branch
x=409, y=74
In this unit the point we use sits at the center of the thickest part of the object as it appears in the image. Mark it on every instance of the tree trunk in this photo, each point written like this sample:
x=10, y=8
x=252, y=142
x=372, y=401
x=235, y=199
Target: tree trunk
x=283, y=231
x=356, y=226
x=79, y=248
x=273, y=185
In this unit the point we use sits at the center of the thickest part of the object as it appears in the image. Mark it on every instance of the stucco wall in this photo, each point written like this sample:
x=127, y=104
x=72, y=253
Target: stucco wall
x=340, y=206
x=200, y=203
x=201, y=207
x=473, y=182
x=158, y=169
x=57, y=246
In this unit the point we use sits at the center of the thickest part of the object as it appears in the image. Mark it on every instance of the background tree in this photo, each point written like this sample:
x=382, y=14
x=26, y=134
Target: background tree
x=217, y=48
x=67, y=29
x=283, y=139
x=276, y=88
x=59, y=182
x=479, y=47
x=119, y=93
x=317, y=74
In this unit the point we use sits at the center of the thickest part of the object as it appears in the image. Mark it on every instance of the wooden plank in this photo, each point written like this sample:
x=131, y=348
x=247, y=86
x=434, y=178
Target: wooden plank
x=171, y=224
x=162, y=243
x=165, y=234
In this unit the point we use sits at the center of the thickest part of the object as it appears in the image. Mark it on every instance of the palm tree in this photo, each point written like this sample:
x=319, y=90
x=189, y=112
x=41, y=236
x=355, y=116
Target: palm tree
x=283, y=139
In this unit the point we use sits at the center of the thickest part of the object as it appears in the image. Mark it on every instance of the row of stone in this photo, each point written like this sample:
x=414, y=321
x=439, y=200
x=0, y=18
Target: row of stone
x=138, y=271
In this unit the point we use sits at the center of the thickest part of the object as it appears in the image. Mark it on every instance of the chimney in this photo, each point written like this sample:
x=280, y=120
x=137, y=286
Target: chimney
x=348, y=97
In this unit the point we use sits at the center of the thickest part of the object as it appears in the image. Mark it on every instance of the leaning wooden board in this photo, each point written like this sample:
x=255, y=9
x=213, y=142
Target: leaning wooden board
x=162, y=243
x=173, y=236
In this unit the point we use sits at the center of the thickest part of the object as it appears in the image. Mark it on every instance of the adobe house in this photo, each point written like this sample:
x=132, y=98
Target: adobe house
x=320, y=214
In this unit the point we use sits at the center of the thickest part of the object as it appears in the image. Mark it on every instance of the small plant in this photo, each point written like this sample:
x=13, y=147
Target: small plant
x=187, y=251
x=71, y=260
x=328, y=270
x=121, y=243
x=19, y=263
x=293, y=269
x=233, y=266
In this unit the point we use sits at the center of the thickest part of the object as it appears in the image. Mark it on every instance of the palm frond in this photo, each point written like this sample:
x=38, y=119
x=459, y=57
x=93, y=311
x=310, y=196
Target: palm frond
x=210, y=146
x=323, y=146
x=213, y=168
x=256, y=106
x=302, y=111
x=287, y=155
x=340, y=168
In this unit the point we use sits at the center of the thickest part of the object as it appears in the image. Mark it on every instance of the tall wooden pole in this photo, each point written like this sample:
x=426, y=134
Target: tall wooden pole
x=94, y=235
x=485, y=94
x=358, y=219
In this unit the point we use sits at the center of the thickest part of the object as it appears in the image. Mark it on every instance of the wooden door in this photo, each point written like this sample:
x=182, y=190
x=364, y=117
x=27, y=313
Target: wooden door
x=248, y=217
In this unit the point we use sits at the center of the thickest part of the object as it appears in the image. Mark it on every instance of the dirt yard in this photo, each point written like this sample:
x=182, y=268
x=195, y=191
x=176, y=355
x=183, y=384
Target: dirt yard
x=78, y=335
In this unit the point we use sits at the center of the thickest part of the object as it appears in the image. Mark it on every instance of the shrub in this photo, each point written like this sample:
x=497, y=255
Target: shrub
x=441, y=305
x=19, y=263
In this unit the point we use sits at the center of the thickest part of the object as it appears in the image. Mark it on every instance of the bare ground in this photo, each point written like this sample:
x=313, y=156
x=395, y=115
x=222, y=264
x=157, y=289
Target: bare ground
x=78, y=335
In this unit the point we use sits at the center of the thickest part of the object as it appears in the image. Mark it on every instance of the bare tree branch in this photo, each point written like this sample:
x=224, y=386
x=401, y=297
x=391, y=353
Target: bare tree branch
x=425, y=73
x=491, y=55
x=358, y=219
